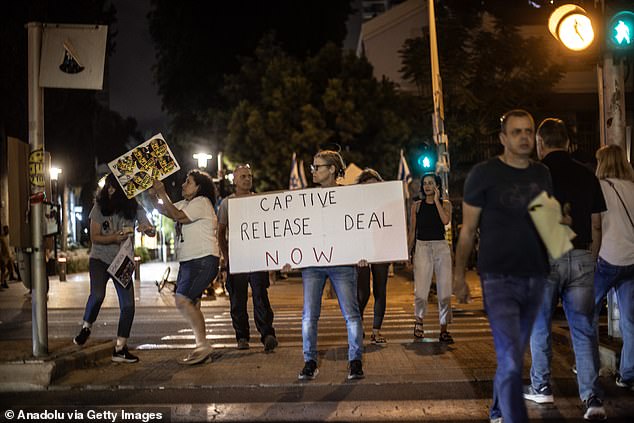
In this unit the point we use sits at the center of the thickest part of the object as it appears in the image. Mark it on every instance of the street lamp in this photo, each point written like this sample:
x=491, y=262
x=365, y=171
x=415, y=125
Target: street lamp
x=202, y=158
x=55, y=171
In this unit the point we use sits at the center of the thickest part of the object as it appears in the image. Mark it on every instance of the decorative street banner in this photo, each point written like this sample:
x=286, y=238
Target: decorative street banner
x=137, y=169
x=318, y=227
x=73, y=56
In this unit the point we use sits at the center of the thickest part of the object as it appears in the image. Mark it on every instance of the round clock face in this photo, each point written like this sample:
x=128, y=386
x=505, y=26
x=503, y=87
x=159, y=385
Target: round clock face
x=575, y=31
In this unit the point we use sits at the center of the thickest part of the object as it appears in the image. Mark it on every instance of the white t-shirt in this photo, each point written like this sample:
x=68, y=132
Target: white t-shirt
x=198, y=238
x=617, y=238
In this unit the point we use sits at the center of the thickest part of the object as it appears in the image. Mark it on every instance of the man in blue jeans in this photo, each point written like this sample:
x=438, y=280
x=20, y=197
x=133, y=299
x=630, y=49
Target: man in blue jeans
x=512, y=260
x=571, y=275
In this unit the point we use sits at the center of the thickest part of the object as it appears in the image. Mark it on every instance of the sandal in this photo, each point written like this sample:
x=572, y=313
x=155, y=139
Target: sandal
x=378, y=339
x=445, y=337
x=418, y=330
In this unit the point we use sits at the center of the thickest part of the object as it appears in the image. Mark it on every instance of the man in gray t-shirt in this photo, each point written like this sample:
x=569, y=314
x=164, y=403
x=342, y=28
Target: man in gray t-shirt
x=237, y=284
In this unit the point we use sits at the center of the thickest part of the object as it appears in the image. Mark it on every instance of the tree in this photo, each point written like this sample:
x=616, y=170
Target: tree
x=487, y=68
x=280, y=105
x=198, y=43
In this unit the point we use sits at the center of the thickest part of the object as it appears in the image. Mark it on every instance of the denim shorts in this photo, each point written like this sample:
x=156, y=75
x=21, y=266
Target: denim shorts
x=194, y=276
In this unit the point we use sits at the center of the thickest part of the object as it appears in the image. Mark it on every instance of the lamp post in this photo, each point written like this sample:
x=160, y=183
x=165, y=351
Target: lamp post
x=202, y=158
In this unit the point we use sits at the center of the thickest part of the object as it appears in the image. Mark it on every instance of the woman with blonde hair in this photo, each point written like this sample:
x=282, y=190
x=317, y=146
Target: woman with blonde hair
x=615, y=265
x=327, y=167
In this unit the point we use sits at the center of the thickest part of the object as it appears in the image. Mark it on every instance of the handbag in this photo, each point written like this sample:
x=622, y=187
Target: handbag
x=621, y=200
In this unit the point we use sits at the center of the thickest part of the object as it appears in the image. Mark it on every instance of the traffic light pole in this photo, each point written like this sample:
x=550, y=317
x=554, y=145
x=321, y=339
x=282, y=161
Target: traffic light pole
x=611, y=84
x=438, y=117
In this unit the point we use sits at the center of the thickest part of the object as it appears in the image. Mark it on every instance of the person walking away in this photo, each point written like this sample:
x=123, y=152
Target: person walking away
x=432, y=254
x=326, y=168
x=571, y=276
x=112, y=221
x=238, y=284
x=197, y=251
x=512, y=260
x=615, y=265
x=379, y=273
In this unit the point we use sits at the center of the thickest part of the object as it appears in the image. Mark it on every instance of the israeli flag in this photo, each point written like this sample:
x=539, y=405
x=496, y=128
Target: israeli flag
x=298, y=178
x=403, y=170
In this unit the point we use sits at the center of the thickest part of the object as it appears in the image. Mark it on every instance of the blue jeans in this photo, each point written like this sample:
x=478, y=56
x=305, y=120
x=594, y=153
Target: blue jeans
x=194, y=276
x=621, y=278
x=571, y=279
x=98, y=279
x=511, y=303
x=344, y=281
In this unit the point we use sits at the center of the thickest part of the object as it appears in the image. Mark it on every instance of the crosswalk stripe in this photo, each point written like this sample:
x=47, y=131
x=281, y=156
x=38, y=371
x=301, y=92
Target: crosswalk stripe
x=398, y=323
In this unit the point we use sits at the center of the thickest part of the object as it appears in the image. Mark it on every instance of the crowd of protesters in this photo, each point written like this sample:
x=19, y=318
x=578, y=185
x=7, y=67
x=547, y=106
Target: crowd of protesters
x=522, y=283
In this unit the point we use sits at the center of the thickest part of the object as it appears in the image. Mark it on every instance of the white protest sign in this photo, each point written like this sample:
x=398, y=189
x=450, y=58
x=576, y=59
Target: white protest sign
x=318, y=227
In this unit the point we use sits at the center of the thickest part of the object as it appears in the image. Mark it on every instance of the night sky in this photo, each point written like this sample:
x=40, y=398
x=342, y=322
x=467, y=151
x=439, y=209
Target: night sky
x=132, y=89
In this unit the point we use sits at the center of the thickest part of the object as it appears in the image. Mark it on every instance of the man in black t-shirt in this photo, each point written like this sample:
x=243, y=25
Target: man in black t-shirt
x=512, y=260
x=572, y=275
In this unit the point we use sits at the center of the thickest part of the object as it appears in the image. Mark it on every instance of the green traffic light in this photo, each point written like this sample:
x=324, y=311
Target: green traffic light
x=622, y=33
x=621, y=30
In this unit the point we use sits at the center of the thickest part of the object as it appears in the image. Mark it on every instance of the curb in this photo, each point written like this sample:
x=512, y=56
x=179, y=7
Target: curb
x=33, y=374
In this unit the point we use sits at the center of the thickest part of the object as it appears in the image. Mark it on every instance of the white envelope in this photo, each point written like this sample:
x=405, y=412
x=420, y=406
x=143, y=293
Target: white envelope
x=546, y=214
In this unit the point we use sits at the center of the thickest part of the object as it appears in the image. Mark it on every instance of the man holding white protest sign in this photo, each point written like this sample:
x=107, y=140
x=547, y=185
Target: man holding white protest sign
x=314, y=229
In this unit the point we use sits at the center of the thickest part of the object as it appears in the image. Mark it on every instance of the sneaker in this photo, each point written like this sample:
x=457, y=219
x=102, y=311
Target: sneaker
x=197, y=356
x=496, y=420
x=445, y=338
x=378, y=339
x=81, y=339
x=594, y=409
x=243, y=344
x=310, y=371
x=123, y=356
x=541, y=396
x=270, y=343
x=356, y=370
x=623, y=384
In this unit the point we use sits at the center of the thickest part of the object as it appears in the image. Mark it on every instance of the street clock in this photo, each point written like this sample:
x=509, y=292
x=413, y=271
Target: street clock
x=572, y=26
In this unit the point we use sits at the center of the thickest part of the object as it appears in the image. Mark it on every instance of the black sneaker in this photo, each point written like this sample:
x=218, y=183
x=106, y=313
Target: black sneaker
x=544, y=395
x=356, y=370
x=243, y=344
x=123, y=356
x=310, y=371
x=445, y=338
x=270, y=343
x=83, y=336
x=594, y=409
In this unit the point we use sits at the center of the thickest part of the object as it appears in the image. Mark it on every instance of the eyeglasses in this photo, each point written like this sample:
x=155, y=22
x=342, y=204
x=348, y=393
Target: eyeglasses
x=315, y=168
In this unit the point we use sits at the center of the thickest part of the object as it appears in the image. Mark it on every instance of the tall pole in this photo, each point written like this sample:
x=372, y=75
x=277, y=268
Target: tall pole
x=36, y=142
x=613, y=102
x=438, y=117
